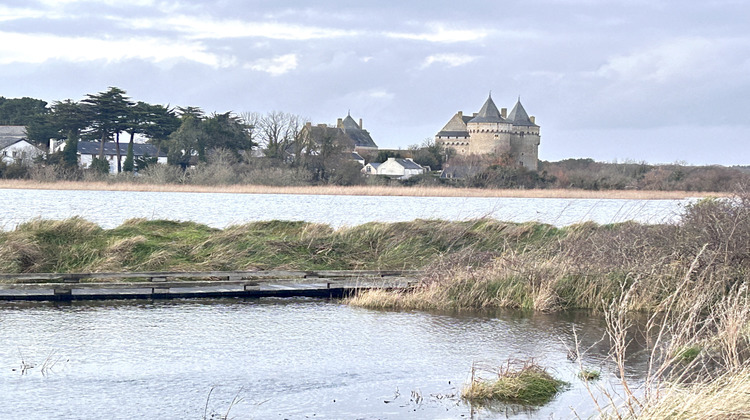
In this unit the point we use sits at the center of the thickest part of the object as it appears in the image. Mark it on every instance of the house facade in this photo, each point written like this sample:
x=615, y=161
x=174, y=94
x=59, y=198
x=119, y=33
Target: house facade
x=15, y=147
x=395, y=168
x=493, y=131
x=88, y=150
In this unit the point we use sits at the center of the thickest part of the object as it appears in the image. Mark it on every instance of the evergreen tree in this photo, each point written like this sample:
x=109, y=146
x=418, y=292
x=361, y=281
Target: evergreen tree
x=129, y=163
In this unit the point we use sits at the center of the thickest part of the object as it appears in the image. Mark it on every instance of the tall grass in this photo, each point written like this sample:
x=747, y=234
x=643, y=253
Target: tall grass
x=170, y=179
x=78, y=245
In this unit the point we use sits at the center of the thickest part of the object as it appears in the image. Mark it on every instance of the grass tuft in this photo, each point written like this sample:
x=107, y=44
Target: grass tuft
x=527, y=384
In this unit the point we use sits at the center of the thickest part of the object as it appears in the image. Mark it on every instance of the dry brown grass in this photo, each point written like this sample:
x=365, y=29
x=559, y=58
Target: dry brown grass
x=415, y=191
x=727, y=397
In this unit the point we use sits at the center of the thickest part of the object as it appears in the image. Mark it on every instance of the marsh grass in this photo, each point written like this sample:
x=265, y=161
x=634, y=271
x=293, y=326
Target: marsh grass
x=171, y=184
x=76, y=245
x=523, y=382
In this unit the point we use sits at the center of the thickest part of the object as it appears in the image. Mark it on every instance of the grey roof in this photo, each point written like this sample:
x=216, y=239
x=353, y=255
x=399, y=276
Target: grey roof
x=9, y=141
x=408, y=164
x=453, y=133
x=350, y=135
x=359, y=136
x=489, y=113
x=456, y=127
x=110, y=148
x=519, y=117
x=350, y=124
x=10, y=134
x=320, y=133
x=374, y=164
x=12, y=131
x=356, y=156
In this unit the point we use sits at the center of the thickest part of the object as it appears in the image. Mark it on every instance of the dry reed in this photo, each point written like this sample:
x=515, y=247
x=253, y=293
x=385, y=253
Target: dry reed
x=365, y=190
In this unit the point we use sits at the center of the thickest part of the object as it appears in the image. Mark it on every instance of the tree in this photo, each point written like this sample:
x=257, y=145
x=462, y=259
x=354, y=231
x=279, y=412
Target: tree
x=197, y=135
x=129, y=163
x=273, y=134
x=326, y=157
x=69, y=118
x=187, y=141
x=160, y=123
x=109, y=116
x=21, y=111
x=430, y=153
x=228, y=131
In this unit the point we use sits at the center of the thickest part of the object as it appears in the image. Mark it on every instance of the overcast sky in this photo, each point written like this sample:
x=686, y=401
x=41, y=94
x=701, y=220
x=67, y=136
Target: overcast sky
x=656, y=81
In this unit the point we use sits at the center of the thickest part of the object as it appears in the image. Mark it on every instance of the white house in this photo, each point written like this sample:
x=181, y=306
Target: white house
x=88, y=150
x=371, y=168
x=400, y=168
x=15, y=148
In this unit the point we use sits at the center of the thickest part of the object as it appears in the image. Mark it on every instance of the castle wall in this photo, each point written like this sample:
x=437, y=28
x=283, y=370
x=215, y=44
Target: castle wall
x=525, y=149
x=520, y=143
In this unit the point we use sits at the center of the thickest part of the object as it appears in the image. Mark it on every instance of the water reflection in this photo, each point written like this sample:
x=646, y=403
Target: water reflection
x=290, y=357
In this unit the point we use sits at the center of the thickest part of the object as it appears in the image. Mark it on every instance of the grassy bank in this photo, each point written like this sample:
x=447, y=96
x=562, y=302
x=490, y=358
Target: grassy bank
x=76, y=245
x=691, y=277
x=368, y=190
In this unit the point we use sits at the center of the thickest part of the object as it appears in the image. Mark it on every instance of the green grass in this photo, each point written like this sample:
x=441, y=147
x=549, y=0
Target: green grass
x=689, y=353
x=76, y=245
x=588, y=374
x=530, y=385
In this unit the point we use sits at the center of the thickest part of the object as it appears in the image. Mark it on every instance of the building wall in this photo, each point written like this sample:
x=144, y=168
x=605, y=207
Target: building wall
x=391, y=168
x=85, y=161
x=21, y=152
x=522, y=143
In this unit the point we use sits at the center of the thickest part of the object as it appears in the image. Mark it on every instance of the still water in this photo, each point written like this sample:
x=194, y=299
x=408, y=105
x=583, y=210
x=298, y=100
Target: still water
x=293, y=358
x=110, y=208
x=283, y=358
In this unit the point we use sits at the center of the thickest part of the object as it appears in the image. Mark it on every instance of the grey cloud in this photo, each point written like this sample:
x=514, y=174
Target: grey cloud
x=595, y=73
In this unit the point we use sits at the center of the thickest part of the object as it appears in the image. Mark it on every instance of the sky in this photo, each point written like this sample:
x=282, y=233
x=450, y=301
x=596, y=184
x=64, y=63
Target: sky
x=613, y=80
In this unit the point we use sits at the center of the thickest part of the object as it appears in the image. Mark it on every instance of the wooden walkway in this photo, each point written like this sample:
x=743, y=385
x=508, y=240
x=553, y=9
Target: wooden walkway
x=168, y=285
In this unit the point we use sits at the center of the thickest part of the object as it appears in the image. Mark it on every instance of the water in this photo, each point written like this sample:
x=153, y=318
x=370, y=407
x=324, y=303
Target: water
x=292, y=358
x=284, y=358
x=110, y=208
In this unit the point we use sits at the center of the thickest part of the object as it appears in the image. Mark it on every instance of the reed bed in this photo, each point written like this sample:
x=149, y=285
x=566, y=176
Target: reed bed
x=691, y=277
x=365, y=190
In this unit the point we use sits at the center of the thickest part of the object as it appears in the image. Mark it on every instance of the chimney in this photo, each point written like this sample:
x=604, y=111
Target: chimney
x=533, y=119
x=339, y=123
x=308, y=124
x=475, y=114
x=460, y=114
x=504, y=112
x=360, y=124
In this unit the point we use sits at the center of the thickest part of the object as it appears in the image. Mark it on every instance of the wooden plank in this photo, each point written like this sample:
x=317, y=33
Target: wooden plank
x=273, y=274
x=191, y=284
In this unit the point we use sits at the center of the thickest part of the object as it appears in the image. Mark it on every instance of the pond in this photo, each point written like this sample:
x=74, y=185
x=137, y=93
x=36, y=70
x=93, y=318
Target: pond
x=110, y=208
x=281, y=358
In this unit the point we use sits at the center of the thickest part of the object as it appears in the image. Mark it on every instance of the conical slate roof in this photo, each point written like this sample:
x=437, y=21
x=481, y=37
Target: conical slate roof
x=519, y=117
x=488, y=113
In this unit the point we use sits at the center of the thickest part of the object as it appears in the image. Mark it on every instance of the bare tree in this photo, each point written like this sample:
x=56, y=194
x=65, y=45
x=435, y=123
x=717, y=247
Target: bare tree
x=272, y=130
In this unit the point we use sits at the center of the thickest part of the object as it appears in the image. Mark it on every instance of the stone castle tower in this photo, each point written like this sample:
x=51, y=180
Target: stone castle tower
x=490, y=131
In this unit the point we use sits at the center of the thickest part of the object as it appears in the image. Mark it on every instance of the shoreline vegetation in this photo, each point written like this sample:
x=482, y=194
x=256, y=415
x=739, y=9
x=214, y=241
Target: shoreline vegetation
x=689, y=277
x=363, y=190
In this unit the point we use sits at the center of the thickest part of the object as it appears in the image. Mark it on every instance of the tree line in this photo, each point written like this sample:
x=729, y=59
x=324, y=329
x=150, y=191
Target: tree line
x=186, y=134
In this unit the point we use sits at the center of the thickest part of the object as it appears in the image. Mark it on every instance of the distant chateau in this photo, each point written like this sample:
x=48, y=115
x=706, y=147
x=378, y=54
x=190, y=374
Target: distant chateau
x=492, y=131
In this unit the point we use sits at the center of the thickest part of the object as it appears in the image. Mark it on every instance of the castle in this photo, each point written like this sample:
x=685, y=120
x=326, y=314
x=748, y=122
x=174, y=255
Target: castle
x=490, y=131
